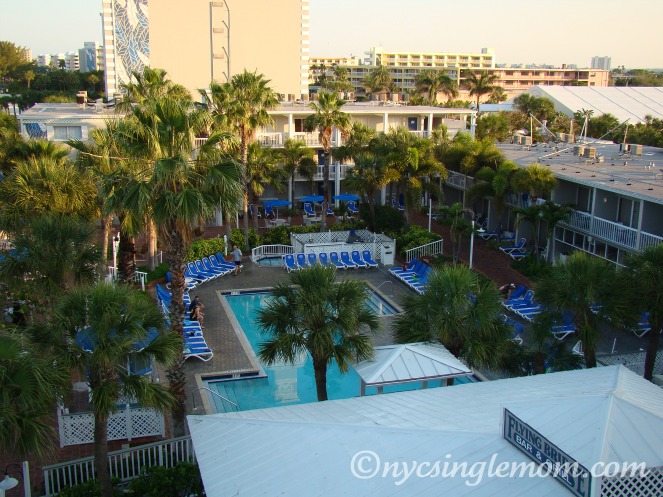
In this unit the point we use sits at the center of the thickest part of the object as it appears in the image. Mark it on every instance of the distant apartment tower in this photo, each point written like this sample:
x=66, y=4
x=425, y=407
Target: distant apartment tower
x=376, y=56
x=601, y=63
x=91, y=57
x=71, y=61
x=200, y=40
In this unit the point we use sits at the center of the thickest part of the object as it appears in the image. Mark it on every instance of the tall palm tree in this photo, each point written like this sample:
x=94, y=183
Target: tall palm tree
x=455, y=215
x=646, y=271
x=176, y=192
x=459, y=311
x=149, y=84
x=31, y=381
x=114, y=320
x=242, y=106
x=297, y=158
x=313, y=313
x=262, y=170
x=432, y=82
x=497, y=95
x=370, y=174
x=328, y=115
x=578, y=284
x=379, y=81
x=480, y=83
x=553, y=214
x=496, y=184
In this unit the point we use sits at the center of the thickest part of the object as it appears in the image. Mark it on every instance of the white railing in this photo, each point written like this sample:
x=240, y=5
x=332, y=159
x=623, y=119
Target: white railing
x=123, y=464
x=124, y=424
x=455, y=179
x=139, y=277
x=319, y=175
x=615, y=232
x=432, y=248
x=649, y=240
x=580, y=220
x=420, y=134
x=259, y=253
x=311, y=139
x=270, y=139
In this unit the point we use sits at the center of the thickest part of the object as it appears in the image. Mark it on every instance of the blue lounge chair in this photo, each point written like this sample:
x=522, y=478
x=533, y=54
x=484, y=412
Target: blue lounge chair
x=345, y=259
x=308, y=210
x=220, y=261
x=410, y=267
x=519, y=247
x=525, y=301
x=356, y=258
x=290, y=264
x=333, y=257
x=301, y=261
x=201, y=270
x=329, y=211
x=203, y=353
x=312, y=259
x=207, y=265
x=193, y=274
x=252, y=213
x=323, y=258
x=269, y=211
x=507, y=237
x=487, y=235
x=366, y=254
x=352, y=209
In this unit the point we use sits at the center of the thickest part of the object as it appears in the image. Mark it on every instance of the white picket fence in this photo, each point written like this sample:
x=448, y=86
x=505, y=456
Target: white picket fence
x=125, y=464
x=265, y=251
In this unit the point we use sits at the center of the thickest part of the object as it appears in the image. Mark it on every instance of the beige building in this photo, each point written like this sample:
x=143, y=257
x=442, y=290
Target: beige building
x=199, y=41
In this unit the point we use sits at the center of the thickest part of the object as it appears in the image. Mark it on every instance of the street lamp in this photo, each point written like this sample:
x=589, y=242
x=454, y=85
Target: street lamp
x=9, y=482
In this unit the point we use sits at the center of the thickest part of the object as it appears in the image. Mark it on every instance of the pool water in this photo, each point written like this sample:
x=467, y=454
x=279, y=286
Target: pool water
x=285, y=383
x=271, y=261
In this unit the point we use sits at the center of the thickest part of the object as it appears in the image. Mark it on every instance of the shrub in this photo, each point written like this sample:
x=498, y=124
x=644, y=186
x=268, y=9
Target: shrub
x=531, y=268
x=387, y=218
x=90, y=488
x=158, y=272
x=182, y=480
x=237, y=238
x=414, y=237
x=204, y=248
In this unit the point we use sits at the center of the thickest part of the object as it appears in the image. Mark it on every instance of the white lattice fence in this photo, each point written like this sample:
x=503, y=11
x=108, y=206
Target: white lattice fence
x=125, y=424
x=635, y=486
x=336, y=241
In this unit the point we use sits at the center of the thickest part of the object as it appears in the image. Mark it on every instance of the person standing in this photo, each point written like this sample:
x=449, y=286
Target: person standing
x=237, y=257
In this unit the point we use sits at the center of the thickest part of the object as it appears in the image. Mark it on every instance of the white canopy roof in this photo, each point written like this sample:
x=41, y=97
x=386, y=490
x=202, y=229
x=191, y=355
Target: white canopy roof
x=632, y=103
x=604, y=414
x=410, y=362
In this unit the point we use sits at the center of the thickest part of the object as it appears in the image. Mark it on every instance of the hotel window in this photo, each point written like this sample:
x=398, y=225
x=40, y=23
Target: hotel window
x=67, y=133
x=299, y=125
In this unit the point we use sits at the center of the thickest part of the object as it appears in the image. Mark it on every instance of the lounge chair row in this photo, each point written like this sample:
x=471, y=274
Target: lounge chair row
x=294, y=262
x=206, y=269
x=523, y=304
x=516, y=251
x=415, y=275
x=193, y=338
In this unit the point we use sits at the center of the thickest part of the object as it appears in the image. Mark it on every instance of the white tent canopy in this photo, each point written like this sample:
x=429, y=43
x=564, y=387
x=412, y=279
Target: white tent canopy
x=413, y=362
x=604, y=414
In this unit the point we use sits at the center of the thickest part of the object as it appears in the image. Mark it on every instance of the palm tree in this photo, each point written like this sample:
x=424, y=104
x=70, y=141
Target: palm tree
x=496, y=184
x=536, y=180
x=297, y=158
x=42, y=185
x=459, y=311
x=31, y=381
x=328, y=115
x=480, y=84
x=379, y=81
x=148, y=85
x=432, y=82
x=262, y=170
x=646, y=271
x=315, y=314
x=552, y=214
x=29, y=76
x=370, y=174
x=578, y=284
x=459, y=226
x=176, y=192
x=115, y=320
x=242, y=106
x=62, y=254
x=497, y=95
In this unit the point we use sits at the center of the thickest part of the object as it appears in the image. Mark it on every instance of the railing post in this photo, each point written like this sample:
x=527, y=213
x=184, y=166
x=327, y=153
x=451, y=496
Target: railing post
x=127, y=420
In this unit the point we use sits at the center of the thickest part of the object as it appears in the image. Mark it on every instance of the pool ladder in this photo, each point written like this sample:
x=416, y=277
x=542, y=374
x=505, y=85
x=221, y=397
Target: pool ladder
x=234, y=407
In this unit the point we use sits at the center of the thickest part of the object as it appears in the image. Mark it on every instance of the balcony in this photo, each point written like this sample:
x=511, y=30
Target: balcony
x=611, y=232
x=319, y=175
x=457, y=180
x=270, y=140
x=420, y=134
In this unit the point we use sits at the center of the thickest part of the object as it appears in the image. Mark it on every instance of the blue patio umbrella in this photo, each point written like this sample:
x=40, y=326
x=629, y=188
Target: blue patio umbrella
x=276, y=203
x=312, y=198
x=347, y=197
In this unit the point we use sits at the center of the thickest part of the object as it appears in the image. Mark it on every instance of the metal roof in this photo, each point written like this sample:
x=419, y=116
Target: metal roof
x=604, y=414
x=410, y=362
x=623, y=102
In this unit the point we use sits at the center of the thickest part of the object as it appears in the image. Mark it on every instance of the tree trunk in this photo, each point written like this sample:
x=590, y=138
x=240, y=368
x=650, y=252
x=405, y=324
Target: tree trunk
x=255, y=213
x=652, y=349
x=326, y=199
x=106, y=223
x=126, y=263
x=590, y=357
x=320, y=371
x=151, y=246
x=101, y=454
x=176, y=379
x=244, y=149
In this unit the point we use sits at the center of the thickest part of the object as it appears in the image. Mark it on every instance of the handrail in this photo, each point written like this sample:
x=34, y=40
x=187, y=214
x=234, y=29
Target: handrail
x=213, y=393
x=274, y=250
x=432, y=248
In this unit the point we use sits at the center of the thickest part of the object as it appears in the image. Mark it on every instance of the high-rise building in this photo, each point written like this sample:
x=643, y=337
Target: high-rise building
x=601, y=63
x=91, y=57
x=200, y=41
x=71, y=61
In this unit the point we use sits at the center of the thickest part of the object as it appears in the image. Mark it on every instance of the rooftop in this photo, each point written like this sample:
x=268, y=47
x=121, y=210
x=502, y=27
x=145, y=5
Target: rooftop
x=638, y=176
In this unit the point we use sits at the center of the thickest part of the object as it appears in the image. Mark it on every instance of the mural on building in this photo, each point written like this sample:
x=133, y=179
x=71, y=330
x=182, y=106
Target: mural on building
x=36, y=131
x=132, y=37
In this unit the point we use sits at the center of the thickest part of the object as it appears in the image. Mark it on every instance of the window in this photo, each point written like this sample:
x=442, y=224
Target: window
x=67, y=133
x=299, y=125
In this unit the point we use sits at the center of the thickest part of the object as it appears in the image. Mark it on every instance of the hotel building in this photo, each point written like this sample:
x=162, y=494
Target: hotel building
x=205, y=41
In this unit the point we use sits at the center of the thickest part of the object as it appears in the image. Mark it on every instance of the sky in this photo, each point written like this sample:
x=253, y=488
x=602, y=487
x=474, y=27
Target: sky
x=519, y=31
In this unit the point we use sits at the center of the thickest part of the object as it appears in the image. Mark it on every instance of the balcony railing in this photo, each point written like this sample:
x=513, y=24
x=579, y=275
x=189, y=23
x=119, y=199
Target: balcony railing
x=420, y=134
x=319, y=175
x=270, y=139
x=457, y=180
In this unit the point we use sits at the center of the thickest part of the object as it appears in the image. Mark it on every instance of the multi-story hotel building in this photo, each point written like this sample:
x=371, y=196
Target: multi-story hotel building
x=405, y=66
x=91, y=57
x=205, y=41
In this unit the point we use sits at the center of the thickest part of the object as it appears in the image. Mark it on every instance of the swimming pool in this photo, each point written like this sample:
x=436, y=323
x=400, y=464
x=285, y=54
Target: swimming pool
x=276, y=261
x=285, y=383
